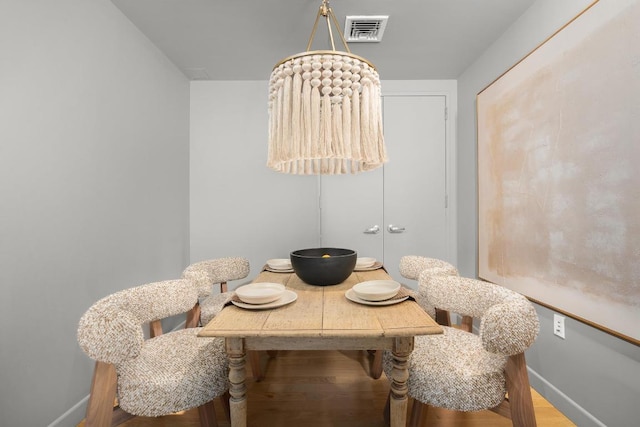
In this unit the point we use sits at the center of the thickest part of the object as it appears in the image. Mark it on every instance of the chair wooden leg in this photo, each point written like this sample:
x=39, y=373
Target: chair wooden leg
x=442, y=317
x=376, y=364
x=225, y=404
x=256, y=369
x=193, y=317
x=502, y=409
x=467, y=323
x=103, y=394
x=155, y=328
x=207, y=415
x=256, y=366
x=418, y=414
x=120, y=416
x=387, y=411
x=519, y=391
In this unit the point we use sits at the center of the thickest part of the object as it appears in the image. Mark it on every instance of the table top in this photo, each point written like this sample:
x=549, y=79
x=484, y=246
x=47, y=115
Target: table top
x=323, y=312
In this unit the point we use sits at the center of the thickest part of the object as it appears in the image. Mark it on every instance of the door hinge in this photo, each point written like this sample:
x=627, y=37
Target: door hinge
x=446, y=201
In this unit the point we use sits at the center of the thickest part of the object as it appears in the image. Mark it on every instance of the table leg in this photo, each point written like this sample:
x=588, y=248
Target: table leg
x=237, y=388
x=402, y=348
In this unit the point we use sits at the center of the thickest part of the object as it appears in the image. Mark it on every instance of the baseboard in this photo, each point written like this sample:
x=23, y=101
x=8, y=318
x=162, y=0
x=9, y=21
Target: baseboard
x=562, y=402
x=73, y=416
x=179, y=326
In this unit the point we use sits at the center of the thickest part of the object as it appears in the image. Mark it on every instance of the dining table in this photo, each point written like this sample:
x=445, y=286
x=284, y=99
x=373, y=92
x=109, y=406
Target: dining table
x=321, y=318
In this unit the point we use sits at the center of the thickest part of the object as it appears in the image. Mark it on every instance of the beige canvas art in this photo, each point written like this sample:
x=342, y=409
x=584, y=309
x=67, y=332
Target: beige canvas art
x=559, y=171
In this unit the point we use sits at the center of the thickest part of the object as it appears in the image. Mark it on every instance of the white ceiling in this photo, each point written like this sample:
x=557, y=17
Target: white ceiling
x=244, y=39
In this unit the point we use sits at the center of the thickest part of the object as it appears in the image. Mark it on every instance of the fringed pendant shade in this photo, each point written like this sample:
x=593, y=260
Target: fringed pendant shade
x=325, y=115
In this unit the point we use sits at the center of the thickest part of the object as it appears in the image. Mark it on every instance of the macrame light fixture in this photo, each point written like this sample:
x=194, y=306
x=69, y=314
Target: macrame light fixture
x=325, y=115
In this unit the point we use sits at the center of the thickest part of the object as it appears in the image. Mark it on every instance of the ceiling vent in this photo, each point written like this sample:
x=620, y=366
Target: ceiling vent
x=365, y=29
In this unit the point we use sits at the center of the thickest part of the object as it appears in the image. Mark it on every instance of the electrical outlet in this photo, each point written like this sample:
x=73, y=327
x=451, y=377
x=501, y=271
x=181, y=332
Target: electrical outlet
x=558, y=325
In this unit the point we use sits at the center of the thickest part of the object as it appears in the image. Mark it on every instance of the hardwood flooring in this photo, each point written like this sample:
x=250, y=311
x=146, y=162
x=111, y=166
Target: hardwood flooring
x=333, y=389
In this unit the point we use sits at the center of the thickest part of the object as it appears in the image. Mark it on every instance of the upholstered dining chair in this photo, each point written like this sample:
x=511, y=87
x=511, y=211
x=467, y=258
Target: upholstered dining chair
x=206, y=274
x=412, y=267
x=462, y=371
x=158, y=376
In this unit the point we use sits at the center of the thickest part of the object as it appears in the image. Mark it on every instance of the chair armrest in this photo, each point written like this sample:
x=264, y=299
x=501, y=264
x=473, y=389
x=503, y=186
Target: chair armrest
x=212, y=305
x=465, y=296
x=412, y=265
x=205, y=274
x=509, y=327
x=109, y=334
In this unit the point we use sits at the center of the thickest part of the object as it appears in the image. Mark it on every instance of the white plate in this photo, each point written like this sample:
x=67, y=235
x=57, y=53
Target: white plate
x=279, y=264
x=275, y=270
x=260, y=293
x=376, y=290
x=375, y=266
x=287, y=298
x=365, y=262
x=353, y=297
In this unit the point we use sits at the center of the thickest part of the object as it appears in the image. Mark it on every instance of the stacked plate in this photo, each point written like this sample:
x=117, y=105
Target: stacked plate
x=279, y=265
x=258, y=296
x=376, y=292
x=367, y=264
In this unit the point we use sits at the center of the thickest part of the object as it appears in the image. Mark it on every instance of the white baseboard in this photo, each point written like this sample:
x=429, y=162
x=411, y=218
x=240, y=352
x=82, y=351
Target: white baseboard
x=73, y=416
x=562, y=402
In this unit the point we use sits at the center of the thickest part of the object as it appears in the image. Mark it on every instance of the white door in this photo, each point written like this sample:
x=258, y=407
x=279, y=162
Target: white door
x=415, y=179
x=405, y=200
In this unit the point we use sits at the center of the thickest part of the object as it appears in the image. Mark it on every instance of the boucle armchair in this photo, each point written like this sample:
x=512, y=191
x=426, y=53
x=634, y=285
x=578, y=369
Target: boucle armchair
x=412, y=267
x=168, y=373
x=462, y=371
x=205, y=274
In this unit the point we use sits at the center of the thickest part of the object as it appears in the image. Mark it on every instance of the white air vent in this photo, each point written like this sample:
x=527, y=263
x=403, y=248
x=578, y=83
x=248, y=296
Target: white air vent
x=364, y=28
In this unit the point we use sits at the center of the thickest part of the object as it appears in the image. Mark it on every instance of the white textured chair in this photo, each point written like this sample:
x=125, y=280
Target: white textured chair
x=412, y=267
x=168, y=373
x=205, y=274
x=461, y=371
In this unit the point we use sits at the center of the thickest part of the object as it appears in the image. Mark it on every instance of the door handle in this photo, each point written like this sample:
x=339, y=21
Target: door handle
x=395, y=229
x=372, y=230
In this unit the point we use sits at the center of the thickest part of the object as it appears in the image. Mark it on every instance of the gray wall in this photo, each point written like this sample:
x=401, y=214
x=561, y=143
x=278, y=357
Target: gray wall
x=591, y=376
x=94, y=196
x=239, y=207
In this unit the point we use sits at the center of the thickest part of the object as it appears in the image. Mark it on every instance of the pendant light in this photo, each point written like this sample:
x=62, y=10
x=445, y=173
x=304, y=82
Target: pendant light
x=325, y=113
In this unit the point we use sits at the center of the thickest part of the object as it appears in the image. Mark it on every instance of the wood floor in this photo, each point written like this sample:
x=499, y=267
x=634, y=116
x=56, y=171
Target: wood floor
x=333, y=389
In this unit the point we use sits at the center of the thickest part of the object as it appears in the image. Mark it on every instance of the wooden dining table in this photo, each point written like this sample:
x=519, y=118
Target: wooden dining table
x=321, y=318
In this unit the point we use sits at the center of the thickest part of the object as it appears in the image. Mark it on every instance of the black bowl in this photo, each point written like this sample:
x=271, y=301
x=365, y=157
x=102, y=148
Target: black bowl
x=314, y=269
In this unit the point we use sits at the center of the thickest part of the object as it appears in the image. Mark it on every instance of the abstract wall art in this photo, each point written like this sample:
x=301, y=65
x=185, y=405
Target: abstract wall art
x=559, y=171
